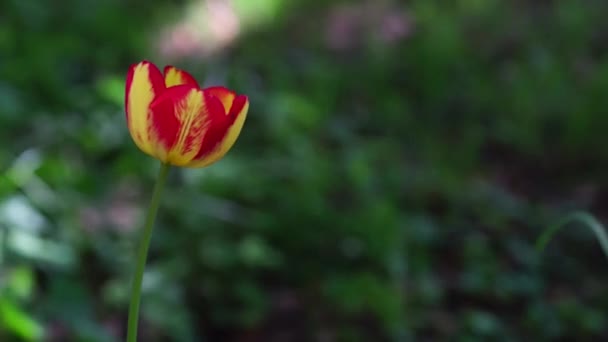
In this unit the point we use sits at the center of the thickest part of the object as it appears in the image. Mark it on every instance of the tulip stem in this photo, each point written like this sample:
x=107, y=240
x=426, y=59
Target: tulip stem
x=142, y=254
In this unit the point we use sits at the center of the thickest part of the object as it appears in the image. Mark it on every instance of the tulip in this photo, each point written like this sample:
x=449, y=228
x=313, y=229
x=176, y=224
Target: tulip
x=175, y=121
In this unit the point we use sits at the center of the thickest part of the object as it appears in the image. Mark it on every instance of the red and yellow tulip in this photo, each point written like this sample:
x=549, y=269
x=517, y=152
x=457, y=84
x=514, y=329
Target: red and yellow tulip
x=172, y=119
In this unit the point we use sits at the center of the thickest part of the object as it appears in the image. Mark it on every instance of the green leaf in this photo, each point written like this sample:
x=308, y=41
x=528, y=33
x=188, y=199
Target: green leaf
x=582, y=217
x=19, y=322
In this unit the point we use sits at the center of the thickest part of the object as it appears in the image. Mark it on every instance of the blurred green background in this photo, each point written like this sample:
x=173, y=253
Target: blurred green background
x=398, y=163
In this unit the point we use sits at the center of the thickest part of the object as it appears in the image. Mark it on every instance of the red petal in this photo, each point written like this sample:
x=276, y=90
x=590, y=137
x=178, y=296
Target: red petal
x=222, y=135
x=154, y=77
x=238, y=105
x=219, y=123
x=164, y=121
x=144, y=84
x=225, y=95
x=182, y=117
x=175, y=76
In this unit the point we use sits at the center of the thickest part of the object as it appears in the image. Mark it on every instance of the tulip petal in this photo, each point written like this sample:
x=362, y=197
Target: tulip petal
x=193, y=111
x=163, y=123
x=175, y=76
x=222, y=135
x=225, y=95
x=144, y=84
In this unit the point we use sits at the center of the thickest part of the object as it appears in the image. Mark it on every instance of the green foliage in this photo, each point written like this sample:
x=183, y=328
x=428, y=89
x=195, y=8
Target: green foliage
x=380, y=190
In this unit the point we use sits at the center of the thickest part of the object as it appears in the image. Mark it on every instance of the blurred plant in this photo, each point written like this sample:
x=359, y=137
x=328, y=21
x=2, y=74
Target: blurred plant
x=16, y=290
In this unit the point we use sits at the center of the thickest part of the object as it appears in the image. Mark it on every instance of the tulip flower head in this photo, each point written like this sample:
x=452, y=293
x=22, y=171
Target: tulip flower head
x=172, y=119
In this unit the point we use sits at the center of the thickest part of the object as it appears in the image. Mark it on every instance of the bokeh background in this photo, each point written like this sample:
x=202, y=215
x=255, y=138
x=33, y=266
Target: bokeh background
x=398, y=164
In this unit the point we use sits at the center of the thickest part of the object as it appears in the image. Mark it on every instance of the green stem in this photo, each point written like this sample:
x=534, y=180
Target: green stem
x=142, y=254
